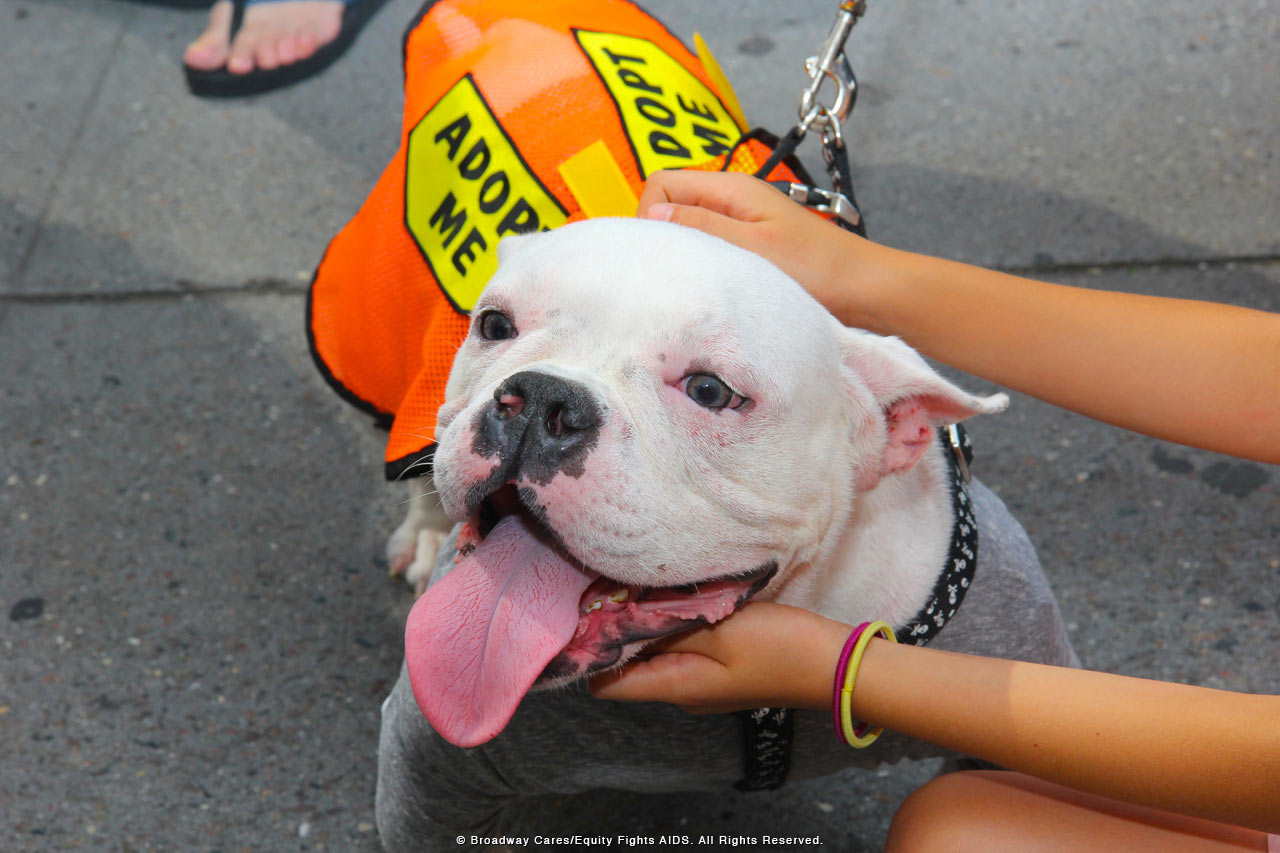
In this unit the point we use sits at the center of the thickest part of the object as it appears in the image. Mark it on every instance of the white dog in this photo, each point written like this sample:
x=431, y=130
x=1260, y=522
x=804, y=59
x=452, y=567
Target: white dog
x=645, y=427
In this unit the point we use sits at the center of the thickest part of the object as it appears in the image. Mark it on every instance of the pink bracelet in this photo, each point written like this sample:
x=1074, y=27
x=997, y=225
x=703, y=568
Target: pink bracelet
x=841, y=666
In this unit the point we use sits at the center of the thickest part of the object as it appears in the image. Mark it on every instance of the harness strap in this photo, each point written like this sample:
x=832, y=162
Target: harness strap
x=836, y=155
x=785, y=148
x=767, y=742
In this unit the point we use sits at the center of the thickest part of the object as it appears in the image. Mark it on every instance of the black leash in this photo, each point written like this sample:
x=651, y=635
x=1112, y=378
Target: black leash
x=830, y=64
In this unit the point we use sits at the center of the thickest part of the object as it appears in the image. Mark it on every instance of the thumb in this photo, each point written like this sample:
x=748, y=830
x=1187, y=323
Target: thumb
x=694, y=216
x=664, y=678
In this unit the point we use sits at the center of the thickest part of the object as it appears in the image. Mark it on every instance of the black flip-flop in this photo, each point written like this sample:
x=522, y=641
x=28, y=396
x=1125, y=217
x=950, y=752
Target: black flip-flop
x=221, y=83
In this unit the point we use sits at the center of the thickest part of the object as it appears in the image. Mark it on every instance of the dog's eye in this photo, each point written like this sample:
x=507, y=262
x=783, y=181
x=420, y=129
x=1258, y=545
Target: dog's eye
x=711, y=392
x=495, y=326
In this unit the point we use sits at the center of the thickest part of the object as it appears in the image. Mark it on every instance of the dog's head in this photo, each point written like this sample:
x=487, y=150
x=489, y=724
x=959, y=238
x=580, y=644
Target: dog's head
x=644, y=427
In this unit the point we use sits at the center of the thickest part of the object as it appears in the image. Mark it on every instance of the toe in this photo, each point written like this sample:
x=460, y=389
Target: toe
x=209, y=50
x=287, y=48
x=328, y=24
x=281, y=33
x=240, y=61
x=306, y=43
x=266, y=54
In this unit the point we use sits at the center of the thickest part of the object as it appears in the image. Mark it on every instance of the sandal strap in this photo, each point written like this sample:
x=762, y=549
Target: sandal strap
x=237, y=18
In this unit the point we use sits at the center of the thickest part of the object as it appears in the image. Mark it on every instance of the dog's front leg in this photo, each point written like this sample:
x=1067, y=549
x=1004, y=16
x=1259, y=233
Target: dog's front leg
x=431, y=795
x=411, y=550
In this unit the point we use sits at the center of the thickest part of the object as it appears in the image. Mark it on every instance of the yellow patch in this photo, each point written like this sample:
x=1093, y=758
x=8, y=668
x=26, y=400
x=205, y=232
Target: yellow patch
x=727, y=96
x=597, y=183
x=671, y=118
x=466, y=187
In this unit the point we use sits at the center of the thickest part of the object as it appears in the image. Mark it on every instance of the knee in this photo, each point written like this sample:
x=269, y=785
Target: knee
x=947, y=814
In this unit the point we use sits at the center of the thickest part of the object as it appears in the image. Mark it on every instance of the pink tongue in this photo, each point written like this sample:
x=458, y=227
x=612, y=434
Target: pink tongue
x=478, y=638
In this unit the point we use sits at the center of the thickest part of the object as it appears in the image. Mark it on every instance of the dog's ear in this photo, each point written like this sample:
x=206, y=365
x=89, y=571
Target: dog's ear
x=914, y=399
x=511, y=243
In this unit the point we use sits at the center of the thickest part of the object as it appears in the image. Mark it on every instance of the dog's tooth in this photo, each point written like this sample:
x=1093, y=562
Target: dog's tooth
x=595, y=605
x=620, y=595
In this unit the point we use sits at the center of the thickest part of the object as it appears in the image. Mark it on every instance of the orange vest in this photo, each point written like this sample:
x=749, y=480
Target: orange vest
x=518, y=116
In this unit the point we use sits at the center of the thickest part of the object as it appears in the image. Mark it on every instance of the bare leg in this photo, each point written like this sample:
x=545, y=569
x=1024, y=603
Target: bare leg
x=996, y=811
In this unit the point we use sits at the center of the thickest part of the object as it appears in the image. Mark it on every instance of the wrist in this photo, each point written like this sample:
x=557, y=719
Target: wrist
x=869, y=281
x=822, y=644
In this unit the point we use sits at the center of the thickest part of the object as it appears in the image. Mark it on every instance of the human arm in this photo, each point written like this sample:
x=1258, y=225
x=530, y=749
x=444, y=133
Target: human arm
x=1191, y=750
x=1198, y=373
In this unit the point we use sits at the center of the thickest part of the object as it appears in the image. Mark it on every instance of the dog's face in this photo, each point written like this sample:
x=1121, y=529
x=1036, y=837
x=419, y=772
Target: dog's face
x=645, y=426
x=679, y=402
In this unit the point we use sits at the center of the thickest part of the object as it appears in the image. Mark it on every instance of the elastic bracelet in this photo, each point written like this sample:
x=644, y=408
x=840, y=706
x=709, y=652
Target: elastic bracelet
x=841, y=665
x=857, y=735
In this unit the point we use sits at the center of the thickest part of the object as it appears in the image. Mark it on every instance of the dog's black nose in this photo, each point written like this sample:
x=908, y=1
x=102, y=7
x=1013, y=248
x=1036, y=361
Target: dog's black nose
x=540, y=425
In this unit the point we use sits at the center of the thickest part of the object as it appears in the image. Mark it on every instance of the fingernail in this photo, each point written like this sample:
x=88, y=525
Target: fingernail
x=661, y=211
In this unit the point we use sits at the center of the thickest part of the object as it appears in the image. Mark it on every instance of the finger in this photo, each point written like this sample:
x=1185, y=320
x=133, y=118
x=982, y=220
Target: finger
x=694, y=686
x=665, y=678
x=703, y=641
x=732, y=194
x=716, y=224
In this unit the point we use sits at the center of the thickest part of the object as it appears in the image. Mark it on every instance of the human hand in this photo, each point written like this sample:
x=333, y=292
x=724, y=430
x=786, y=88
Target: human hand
x=751, y=214
x=764, y=655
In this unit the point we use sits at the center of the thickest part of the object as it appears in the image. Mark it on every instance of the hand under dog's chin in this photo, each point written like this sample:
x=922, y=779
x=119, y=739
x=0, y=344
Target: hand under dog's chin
x=551, y=681
x=616, y=622
x=520, y=610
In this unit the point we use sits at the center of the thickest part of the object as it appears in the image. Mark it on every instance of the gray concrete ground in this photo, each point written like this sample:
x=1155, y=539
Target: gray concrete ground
x=197, y=628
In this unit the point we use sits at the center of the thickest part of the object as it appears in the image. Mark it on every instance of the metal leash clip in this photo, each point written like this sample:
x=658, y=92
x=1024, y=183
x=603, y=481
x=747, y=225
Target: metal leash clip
x=832, y=64
x=823, y=201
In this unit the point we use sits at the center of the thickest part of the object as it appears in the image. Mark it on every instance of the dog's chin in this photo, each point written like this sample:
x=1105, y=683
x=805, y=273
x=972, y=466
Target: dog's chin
x=549, y=680
x=616, y=620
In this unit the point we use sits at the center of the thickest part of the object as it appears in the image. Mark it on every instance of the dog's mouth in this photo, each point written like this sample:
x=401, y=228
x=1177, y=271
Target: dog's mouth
x=520, y=611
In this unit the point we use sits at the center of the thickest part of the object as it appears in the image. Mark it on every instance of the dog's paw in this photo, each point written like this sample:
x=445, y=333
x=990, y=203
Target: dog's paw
x=402, y=547
x=411, y=550
x=419, y=569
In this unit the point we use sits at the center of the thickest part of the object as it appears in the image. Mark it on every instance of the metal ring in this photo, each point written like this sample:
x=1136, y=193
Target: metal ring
x=816, y=116
x=807, y=98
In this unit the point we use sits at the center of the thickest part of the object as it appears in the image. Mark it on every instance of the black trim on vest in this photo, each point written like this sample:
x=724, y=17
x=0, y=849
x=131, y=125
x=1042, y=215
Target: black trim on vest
x=381, y=419
x=408, y=31
x=420, y=463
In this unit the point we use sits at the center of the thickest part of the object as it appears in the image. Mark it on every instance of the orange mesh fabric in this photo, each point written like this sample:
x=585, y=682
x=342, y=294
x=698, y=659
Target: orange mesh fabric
x=497, y=96
x=750, y=154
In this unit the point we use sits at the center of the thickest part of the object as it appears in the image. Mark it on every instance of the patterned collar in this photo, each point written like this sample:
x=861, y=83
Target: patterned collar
x=767, y=731
x=957, y=573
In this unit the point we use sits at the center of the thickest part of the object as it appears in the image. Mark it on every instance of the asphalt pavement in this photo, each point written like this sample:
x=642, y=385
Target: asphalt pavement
x=196, y=621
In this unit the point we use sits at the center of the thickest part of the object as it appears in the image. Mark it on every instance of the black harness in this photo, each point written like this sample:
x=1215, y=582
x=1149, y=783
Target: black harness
x=767, y=731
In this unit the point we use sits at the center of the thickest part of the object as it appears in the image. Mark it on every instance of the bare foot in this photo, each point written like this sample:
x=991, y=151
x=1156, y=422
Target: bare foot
x=272, y=34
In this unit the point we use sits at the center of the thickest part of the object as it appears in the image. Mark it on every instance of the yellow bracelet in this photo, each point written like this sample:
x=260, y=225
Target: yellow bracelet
x=851, y=737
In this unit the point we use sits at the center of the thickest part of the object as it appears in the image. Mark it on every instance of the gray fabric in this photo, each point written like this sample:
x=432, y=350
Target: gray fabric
x=565, y=742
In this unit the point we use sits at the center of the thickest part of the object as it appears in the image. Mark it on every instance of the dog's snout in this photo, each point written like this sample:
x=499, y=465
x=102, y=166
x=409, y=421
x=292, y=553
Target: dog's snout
x=562, y=407
x=509, y=405
x=540, y=424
